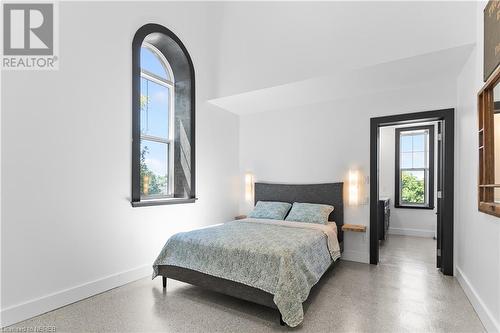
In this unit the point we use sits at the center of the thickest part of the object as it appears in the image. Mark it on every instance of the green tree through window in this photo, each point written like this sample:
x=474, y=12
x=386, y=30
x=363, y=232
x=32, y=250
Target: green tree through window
x=151, y=184
x=412, y=189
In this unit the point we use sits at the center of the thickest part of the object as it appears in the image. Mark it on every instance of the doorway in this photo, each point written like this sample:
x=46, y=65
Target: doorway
x=444, y=131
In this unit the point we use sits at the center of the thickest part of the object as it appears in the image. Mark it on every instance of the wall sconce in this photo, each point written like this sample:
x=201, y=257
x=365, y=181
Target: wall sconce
x=249, y=187
x=353, y=187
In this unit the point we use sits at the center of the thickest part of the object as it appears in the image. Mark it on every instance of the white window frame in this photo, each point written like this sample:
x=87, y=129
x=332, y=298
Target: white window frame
x=170, y=84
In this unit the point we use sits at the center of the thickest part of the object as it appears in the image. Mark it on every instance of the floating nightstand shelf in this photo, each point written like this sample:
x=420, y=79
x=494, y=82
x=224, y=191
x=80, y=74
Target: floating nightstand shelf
x=354, y=227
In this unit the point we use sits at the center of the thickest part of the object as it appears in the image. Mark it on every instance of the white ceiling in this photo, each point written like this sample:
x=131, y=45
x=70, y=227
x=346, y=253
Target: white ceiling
x=269, y=50
x=437, y=66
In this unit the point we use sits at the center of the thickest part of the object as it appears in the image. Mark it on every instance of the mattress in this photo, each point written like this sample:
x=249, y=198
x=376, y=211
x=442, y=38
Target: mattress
x=285, y=259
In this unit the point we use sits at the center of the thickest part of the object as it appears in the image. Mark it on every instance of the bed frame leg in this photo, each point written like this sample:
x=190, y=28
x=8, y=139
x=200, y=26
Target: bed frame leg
x=282, y=323
x=164, y=282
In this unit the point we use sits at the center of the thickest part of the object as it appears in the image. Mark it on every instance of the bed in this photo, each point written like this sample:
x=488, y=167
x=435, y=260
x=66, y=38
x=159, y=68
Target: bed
x=272, y=263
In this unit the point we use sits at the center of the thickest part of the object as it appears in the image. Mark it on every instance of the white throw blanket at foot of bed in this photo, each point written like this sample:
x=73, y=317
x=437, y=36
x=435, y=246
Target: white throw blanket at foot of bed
x=285, y=259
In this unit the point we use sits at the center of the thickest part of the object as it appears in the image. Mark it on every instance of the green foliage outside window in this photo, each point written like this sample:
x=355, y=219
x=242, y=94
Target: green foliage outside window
x=412, y=189
x=151, y=184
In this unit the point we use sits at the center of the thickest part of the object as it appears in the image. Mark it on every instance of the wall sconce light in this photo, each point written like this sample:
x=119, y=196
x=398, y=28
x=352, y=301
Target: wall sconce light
x=249, y=187
x=353, y=187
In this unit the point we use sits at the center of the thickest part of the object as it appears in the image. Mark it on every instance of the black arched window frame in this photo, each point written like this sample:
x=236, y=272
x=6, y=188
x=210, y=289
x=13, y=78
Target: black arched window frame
x=137, y=43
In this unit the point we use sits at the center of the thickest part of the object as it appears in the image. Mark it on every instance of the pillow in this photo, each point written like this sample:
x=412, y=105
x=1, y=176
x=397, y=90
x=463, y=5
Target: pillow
x=270, y=210
x=309, y=213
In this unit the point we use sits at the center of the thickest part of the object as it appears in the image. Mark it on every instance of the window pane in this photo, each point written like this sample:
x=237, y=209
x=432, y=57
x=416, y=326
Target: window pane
x=413, y=187
x=419, y=142
x=406, y=143
x=154, y=109
x=419, y=160
x=406, y=161
x=152, y=63
x=154, y=168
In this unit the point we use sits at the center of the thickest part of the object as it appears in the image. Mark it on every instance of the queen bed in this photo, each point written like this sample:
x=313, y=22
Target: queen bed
x=274, y=263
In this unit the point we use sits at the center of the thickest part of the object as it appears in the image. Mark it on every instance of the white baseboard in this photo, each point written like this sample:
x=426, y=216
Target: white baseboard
x=356, y=256
x=35, y=307
x=487, y=318
x=412, y=232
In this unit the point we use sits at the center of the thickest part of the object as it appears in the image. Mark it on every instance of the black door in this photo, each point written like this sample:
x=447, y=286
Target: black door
x=439, y=183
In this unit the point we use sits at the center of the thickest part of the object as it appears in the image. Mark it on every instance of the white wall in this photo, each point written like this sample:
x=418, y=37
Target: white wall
x=68, y=229
x=321, y=142
x=477, y=234
x=403, y=221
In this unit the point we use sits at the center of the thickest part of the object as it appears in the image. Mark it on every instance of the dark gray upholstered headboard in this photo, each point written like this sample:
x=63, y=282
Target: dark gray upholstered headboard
x=328, y=194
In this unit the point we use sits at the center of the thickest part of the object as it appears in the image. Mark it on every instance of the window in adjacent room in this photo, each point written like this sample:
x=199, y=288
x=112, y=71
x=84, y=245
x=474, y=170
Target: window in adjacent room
x=163, y=119
x=415, y=167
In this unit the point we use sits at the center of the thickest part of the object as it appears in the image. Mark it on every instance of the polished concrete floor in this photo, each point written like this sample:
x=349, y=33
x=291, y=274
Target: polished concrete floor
x=405, y=293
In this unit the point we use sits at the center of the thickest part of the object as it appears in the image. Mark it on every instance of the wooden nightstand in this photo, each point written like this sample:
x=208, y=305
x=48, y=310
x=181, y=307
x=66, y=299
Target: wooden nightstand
x=354, y=227
x=240, y=217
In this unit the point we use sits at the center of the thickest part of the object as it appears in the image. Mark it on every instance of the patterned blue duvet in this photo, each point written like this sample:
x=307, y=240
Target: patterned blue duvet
x=285, y=259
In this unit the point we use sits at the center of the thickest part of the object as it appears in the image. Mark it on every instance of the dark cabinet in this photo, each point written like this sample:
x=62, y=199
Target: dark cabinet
x=384, y=216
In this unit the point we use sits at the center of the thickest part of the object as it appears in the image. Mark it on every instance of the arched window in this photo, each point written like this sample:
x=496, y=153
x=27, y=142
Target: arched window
x=163, y=119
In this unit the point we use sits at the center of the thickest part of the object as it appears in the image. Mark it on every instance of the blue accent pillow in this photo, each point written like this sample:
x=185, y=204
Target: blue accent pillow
x=309, y=213
x=270, y=210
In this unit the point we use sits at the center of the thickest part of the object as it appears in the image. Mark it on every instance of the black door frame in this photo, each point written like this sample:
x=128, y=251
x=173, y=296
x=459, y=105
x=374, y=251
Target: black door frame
x=447, y=116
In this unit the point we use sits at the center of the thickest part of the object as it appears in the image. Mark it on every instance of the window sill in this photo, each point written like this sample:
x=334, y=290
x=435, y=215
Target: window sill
x=414, y=207
x=173, y=201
